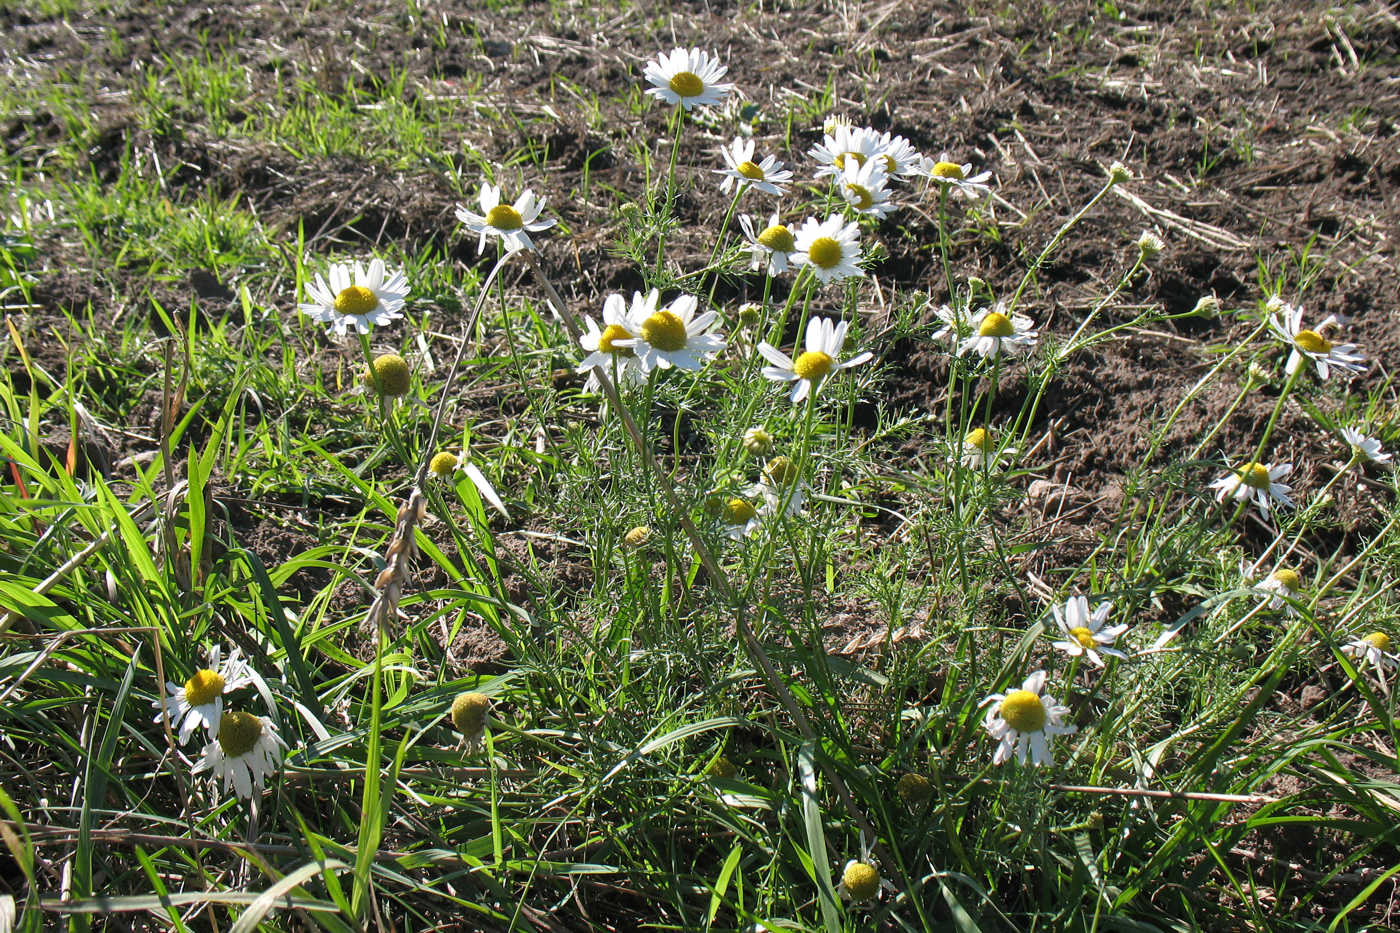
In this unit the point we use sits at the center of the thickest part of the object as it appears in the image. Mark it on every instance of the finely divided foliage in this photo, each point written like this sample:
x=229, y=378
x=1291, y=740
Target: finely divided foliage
x=611, y=613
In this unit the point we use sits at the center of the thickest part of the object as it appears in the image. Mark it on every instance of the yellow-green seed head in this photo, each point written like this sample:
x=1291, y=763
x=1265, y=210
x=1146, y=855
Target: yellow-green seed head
x=721, y=767
x=914, y=788
x=469, y=713
x=390, y=375
x=861, y=880
x=443, y=464
x=238, y=733
x=638, y=537
x=758, y=442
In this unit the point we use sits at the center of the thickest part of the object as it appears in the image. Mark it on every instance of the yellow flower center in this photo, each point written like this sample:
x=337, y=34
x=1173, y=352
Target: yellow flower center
x=1379, y=640
x=356, y=300
x=841, y=157
x=750, y=170
x=890, y=164
x=812, y=365
x=738, y=512
x=914, y=788
x=204, y=688
x=780, y=471
x=687, y=84
x=238, y=733
x=664, y=331
x=996, y=324
x=469, y=713
x=979, y=438
x=1023, y=711
x=1289, y=578
x=638, y=536
x=859, y=196
x=778, y=238
x=1312, y=341
x=504, y=217
x=1255, y=475
x=614, y=332
x=391, y=375
x=948, y=170
x=862, y=881
x=1082, y=635
x=443, y=464
x=825, y=252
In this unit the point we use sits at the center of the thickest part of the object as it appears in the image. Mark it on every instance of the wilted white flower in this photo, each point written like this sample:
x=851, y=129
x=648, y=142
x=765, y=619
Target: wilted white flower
x=980, y=452
x=1149, y=244
x=1257, y=481
x=1087, y=636
x=773, y=246
x=1281, y=586
x=995, y=332
x=246, y=750
x=1363, y=446
x=1374, y=649
x=958, y=180
x=1286, y=322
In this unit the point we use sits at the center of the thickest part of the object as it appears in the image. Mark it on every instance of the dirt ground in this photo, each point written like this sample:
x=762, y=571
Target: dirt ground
x=1261, y=137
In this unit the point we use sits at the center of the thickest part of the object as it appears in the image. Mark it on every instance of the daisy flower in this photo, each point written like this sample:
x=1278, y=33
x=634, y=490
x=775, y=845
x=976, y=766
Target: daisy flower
x=846, y=144
x=1281, y=586
x=767, y=176
x=979, y=451
x=1024, y=721
x=1087, y=636
x=957, y=180
x=1374, y=649
x=739, y=518
x=1286, y=322
x=781, y=487
x=200, y=700
x=774, y=246
x=619, y=323
x=1257, y=481
x=865, y=188
x=829, y=248
x=953, y=324
x=247, y=749
x=513, y=224
x=995, y=332
x=860, y=878
x=688, y=77
x=673, y=336
x=1367, y=447
x=824, y=340
x=898, y=155
x=351, y=295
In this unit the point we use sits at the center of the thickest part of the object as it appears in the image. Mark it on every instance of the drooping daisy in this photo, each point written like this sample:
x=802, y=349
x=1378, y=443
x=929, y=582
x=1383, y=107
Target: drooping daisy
x=830, y=247
x=1374, y=649
x=1367, y=447
x=689, y=77
x=824, y=340
x=954, y=324
x=995, y=332
x=781, y=486
x=774, y=246
x=957, y=179
x=1149, y=244
x=758, y=441
x=246, y=750
x=865, y=188
x=674, y=336
x=1281, y=586
x=1087, y=636
x=513, y=224
x=858, y=144
x=860, y=877
x=898, y=155
x=1286, y=322
x=767, y=175
x=619, y=323
x=979, y=450
x=351, y=295
x=1023, y=721
x=1257, y=481
x=200, y=700
x=470, y=714
x=739, y=518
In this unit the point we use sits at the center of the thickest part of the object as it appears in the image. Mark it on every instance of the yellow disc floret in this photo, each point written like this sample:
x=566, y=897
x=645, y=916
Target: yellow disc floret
x=1288, y=578
x=664, y=331
x=687, y=84
x=1082, y=635
x=996, y=324
x=758, y=441
x=469, y=713
x=780, y=471
x=980, y=439
x=750, y=170
x=840, y=160
x=611, y=334
x=504, y=217
x=812, y=365
x=825, y=252
x=1312, y=341
x=914, y=788
x=389, y=374
x=948, y=170
x=443, y=464
x=861, y=881
x=1255, y=475
x=722, y=767
x=1023, y=711
x=738, y=512
x=778, y=238
x=638, y=536
x=239, y=733
x=859, y=196
x=1378, y=640
x=356, y=300
x=204, y=688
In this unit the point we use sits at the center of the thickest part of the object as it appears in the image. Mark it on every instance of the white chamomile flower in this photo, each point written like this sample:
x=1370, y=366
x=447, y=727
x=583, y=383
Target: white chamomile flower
x=956, y=179
x=1365, y=447
x=995, y=332
x=767, y=175
x=689, y=77
x=782, y=488
x=979, y=451
x=865, y=188
x=351, y=295
x=954, y=324
x=1281, y=586
x=830, y=248
x=674, y=336
x=200, y=700
x=824, y=341
x=1286, y=322
x=847, y=144
x=1023, y=721
x=1374, y=649
x=246, y=750
x=739, y=518
x=860, y=877
x=773, y=246
x=1087, y=635
x=898, y=155
x=619, y=323
x=512, y=223
x=1257, y=481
